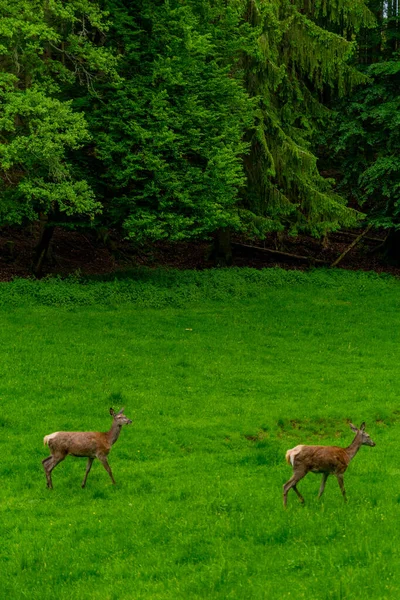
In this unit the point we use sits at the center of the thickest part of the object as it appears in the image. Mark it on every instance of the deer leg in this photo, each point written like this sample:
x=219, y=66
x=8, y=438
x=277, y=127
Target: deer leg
x=323, y=482
x=298, y=494
x=104, y=461
x=88, y=467
x=44, y=463
x=341, y=485
x=293, y=481
x=48, y=464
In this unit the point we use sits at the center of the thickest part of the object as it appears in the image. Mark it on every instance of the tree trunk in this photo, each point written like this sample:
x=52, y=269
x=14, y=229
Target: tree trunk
x=222, y=248
x=42, y=248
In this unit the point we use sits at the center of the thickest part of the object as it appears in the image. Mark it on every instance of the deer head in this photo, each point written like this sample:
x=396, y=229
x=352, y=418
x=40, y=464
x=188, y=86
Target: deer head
x=365, y=438
x=119, y=417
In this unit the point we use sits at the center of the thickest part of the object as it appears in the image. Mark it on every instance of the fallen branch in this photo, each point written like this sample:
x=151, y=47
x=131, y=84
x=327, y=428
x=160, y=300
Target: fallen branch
x=367, y=237
x=353, y=243
x=286, y=254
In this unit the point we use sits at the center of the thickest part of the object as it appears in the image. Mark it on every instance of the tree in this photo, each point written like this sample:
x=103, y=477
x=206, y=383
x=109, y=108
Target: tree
x=209, y=125
x=303, y=61
x=170, y=136
x=46, y=47
x=367, y=134
x=212, y=125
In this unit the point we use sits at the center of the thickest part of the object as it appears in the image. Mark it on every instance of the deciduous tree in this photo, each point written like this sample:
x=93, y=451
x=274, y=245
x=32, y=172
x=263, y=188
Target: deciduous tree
x=46, y=47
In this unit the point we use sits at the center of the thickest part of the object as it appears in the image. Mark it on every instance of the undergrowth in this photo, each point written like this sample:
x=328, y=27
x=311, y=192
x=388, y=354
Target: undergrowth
x=159, y=288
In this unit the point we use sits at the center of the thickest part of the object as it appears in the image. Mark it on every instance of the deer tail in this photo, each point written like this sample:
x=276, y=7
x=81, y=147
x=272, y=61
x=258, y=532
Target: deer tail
x=292, y=453
x=48, y=438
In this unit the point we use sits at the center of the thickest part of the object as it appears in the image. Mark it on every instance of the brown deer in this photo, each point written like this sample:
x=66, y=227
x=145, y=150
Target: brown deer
x=91, y=444
x=328, y=460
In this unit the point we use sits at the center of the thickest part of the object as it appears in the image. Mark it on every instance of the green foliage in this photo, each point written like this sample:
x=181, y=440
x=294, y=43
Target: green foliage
x=368, y=144
x=170, y=136
x=217, y=392
x=300, y=58
x=159, y=288
x=45, y=47
x=365, y=135
x=37, y=177
x=174, y=135
x=176, y=120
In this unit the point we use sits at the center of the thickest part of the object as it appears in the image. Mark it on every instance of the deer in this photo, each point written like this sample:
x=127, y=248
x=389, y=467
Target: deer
x=328, y=460
x=90, y=444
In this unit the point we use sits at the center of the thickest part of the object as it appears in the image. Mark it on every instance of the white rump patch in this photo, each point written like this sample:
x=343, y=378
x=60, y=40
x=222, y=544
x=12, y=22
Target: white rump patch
x=47, y=438
x=291, y=454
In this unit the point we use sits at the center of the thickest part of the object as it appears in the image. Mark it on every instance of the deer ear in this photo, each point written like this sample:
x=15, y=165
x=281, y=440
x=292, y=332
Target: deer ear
x=353, y=427
x=362, y=427
x=121, y=411
x=112, y=412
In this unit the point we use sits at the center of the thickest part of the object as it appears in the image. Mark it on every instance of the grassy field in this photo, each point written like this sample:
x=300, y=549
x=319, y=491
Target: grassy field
x=221, y=374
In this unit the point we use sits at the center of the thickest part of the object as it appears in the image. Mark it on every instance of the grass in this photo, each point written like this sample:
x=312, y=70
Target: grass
x=221, y=373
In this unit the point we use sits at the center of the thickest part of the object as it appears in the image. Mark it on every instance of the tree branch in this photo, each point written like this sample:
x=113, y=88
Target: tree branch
x=286, y=254
x=353, y=243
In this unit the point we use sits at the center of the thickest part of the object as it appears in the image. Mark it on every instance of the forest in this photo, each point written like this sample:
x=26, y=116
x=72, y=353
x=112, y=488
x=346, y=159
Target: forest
x=199, y=120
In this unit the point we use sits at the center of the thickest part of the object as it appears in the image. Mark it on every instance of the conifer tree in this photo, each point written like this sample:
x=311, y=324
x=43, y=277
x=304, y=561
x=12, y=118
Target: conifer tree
x=302, y=59
x=169, y=136
x=366, y=135
x=213, y=124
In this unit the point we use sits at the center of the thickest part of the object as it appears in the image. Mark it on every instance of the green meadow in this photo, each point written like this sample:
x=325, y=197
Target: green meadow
x=221, y=372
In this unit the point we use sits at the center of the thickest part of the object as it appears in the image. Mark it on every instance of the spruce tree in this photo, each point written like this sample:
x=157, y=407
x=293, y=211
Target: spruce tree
x=366, y=135
x=213, y=124
x=169, y=137
x=302, y=60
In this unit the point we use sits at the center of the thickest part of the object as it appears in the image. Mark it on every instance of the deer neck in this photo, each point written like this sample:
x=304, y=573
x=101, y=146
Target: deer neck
x=114, y=432
x=354, y=446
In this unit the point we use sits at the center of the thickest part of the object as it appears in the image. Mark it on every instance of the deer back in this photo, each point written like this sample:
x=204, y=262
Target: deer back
x=79, y=443
x=318, y=459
